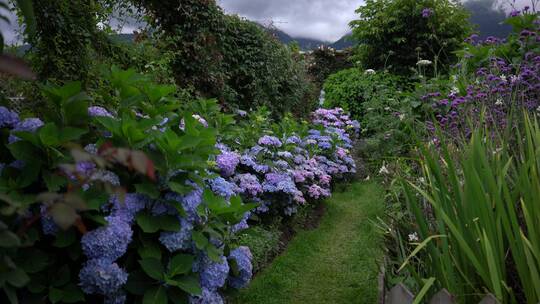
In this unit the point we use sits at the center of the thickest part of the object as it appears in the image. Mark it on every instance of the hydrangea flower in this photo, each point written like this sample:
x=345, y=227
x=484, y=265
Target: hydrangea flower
x=222, y=187
x=276, y=182
x=212, y=274
x=243, y=225
x=97, y=111
x=110, y=241
x=48, y=225
x=242, y=258
x=227, y=163
x=101, y=276
x=270, y=141
x=27, y=125
x=248, y=184
x=427, y=12
x=178, y=240
x=208, y=296
x=8, y=118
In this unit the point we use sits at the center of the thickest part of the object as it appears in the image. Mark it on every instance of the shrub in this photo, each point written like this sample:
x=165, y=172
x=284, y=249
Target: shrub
x=142, y=211
x=395, y=35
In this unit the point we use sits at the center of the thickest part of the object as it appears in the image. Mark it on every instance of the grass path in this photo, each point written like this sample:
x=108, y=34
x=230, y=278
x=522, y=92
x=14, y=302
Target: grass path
x=335, y=263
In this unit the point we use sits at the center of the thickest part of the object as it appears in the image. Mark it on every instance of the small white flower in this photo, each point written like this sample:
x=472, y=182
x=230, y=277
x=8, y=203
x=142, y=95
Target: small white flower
x=513, y=78
x=454, y=91
x=369, y=72
x=454, y=78
x=424, y=62
x=538, y=109
x=422, y=180
x=503, y=78
x=369, y=109
x=387, y=109
x=499, y=102
x=384, y=170
x=401, y=117
x=413, y=237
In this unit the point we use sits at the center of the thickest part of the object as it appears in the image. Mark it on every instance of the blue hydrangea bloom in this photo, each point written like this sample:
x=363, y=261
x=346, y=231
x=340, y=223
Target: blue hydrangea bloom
x=213, y=275
x=293, y=140
x=276, y=182
x=248, y=160
x=208, y=296
x=27, y=125
x=8, y=118
x=101, y=276
x=285, y=154
x=190, y=202
x=222, y=187
x=108, y=242
x=48, y=225
x=133, y=203
x=178, y=240
x=243, y=225
x=117, y=298
x=242, y=256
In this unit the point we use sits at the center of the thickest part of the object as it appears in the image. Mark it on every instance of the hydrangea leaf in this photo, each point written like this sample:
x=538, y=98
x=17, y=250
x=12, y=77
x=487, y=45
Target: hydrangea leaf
x=188, y=284
x=152, y=267
x=180, y=264
x=156, y=295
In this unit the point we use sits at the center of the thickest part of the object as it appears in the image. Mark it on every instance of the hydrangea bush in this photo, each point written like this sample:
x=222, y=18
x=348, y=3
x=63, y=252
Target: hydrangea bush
x=140, y=202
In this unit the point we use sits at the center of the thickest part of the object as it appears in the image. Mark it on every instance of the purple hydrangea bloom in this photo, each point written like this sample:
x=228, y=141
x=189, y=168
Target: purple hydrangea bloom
x=227, y=163
x=101, y=276
x=242, y=256
x=271, y=141
x=8, y=118
x=85, y=168
x=275, y=182
x=212, y=274
x=427, y=12
x=96, y=111
x=285, y=154
x=248, y=184
x=208, y=296
x=110, y=241
x=178, y=240
x=27, y=125
x=316, y=192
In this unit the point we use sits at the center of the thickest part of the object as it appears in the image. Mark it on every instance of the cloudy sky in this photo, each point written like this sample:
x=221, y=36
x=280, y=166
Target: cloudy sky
x=321, y=19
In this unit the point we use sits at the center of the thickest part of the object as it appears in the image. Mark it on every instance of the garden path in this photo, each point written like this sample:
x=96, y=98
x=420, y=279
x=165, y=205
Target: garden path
x=334, y=263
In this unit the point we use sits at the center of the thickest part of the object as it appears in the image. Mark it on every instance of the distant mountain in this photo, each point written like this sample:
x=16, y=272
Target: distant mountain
x=345, y=42
x=304, y=43
x=488, y=18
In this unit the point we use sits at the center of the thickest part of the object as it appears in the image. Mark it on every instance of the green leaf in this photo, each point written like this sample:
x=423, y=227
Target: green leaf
x=33, y=261
x=179, y=188
x=152, y=267
x=189, y=284
x=200, y=240
x=49, y=135
x=424, y=291
x=147, y=189
x=156, y=295
x=149, y=250
x=181, y=264
x=72, y=294
x=55, y=295
x=25, y=151
x=138, y=282
x=9, y=239
x=11, y=294
x=64, y=238
x=54, y=181
x=71, y=134
x=17, y=278
x=152, y=224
